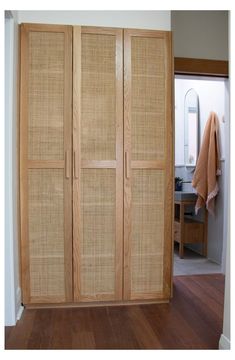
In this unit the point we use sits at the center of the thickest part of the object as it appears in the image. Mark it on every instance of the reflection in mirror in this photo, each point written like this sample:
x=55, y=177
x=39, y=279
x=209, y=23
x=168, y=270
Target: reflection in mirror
x=191, y=111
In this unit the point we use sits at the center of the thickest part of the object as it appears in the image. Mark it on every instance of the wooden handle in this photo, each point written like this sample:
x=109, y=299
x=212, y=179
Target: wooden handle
x=75, y=162
x=67, y=172
x=127, y=165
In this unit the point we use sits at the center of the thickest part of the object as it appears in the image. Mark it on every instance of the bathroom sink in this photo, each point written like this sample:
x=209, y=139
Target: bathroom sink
x=185, y=195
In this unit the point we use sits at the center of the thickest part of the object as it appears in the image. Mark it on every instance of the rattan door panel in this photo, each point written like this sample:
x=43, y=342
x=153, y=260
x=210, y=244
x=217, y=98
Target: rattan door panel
x=147, y=231
x=97, y=249
x=45, y=163
x=46, y=96
x=148, y=98
x=98, y=180
x=98, y=101
x=46, y=233
x=148, y=168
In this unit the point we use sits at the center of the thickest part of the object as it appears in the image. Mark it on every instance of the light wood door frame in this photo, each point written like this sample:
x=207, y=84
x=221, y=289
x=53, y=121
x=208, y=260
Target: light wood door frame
x=26, y=164
x=201, y=67
x=96, y=164
x=166, y=165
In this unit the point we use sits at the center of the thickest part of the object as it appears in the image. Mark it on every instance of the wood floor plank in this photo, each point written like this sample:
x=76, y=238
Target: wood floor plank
x=200, y=299
x=102, y=329
x=157, y=315
x=19, y=334
x=204, y=329
x=61, y=319
x=218, y=282
x=41, y=334
x=206, y=321
x=176, y=333
x=82, y=332
x=209, y=289
x=142, y=329
x=192, y=320
x=119, y=321
x=8, y=330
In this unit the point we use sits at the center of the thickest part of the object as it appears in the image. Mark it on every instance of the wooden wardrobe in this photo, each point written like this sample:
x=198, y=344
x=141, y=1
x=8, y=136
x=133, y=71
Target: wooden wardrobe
x=96, y=165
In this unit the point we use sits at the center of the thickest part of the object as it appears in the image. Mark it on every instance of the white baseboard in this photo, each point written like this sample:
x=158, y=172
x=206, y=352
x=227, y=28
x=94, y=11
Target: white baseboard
x=214, y=261
x=19, y=312
x=19, y=307
x=224, y=343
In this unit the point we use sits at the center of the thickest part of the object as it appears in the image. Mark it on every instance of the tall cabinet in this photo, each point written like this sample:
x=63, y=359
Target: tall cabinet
x=96, y=164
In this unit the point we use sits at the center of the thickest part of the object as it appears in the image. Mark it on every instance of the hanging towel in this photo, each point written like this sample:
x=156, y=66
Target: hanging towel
x=208, y=166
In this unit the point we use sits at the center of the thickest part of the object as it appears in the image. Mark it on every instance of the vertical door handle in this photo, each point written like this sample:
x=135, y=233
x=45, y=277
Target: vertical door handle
x=75, y=163
x=67, y=170
x=127, y=165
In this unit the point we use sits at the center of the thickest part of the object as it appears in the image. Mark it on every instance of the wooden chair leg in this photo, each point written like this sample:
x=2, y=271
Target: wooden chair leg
x=181, y=247
x=181, y=250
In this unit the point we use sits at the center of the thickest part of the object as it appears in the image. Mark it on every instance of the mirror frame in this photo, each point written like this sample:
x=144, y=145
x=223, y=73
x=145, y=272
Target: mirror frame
x=191, y=101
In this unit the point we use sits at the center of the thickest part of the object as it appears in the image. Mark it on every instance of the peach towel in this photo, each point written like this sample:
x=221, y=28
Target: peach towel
x=208, y=166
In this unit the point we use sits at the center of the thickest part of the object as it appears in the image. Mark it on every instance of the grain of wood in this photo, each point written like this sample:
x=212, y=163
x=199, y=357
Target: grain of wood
x=77, y=223
x=200, y=67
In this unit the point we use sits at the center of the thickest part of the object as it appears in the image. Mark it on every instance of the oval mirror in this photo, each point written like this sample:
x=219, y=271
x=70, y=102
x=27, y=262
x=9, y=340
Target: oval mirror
x=191, y=115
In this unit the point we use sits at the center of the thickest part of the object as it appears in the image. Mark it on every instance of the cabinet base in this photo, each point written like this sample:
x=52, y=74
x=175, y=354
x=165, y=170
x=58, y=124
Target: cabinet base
x=95, y=304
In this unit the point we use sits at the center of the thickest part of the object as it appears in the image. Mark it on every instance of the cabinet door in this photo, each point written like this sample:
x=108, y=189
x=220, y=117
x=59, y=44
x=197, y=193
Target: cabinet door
x=98, y=163
x=148, y=183
x=45, y=163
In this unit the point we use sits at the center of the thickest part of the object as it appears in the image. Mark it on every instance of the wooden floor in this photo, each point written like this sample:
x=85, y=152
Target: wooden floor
x=192, y=320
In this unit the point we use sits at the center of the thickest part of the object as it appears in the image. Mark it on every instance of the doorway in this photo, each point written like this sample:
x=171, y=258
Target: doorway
x=212, y=95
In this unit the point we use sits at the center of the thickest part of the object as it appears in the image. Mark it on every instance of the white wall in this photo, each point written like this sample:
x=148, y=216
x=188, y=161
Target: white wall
x=224, y=343
x=12, y=288
x=211, y=93
x=153, y=19
x=200, y=34
x=225, y=336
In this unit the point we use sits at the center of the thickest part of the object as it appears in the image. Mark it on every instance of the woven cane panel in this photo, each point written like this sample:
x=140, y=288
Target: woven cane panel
x=147, y=230
x=148, y=98
x=46, y=232
x=46, y=96
x=98, y=209
x=147, y=56
x=98, y=97
x=147, y=136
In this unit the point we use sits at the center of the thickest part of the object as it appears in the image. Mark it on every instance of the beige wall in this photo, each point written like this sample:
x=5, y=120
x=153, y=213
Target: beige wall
x=200, y=34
